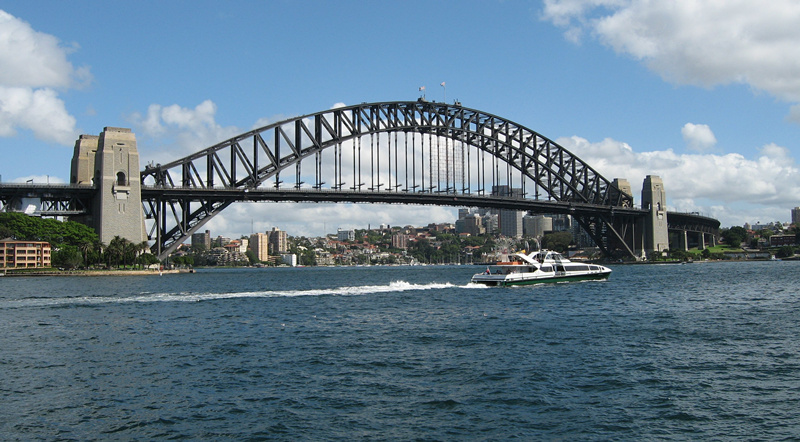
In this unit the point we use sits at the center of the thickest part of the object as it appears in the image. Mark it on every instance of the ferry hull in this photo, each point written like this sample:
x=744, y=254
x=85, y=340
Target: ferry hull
x=540, y=267
x=503, y=282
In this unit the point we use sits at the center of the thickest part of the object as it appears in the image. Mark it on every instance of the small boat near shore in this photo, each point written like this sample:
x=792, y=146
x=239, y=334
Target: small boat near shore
x=539, y=267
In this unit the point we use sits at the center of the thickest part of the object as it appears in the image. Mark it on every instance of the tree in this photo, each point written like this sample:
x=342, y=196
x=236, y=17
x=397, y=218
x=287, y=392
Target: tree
x=785, y=252
x=734, y=236
x=186, y=260
x=558, y=241
x=146, y=259
x=85, y=247
x=28, y=228
x=140, y=249
x=116, y=251
x=421, y=250
x=5, y=232
x=67, y=257
x=680, y=255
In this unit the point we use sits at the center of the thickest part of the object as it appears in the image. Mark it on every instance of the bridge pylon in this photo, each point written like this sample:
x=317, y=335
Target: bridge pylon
x=654, y=200
x=110, y=162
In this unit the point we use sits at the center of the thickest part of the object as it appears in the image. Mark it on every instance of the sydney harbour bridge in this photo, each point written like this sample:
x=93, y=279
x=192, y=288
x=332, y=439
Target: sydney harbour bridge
x=414, y=152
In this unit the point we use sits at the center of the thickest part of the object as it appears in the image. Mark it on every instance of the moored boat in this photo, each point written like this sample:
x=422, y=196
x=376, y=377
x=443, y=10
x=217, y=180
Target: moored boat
x=539, y=267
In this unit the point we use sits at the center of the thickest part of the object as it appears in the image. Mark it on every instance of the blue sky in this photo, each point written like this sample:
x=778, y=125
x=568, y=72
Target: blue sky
x=703, y=94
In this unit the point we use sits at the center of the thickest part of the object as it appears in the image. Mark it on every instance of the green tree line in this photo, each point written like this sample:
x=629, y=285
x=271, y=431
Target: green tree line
x=74, y=244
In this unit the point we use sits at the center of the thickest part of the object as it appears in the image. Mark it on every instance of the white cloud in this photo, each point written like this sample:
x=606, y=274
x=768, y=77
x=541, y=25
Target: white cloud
x=701, y=43
x=171, y=132
x=768, y=184
x=37, y=110
x=34, y=59
x=698, y=137
x=33, y=65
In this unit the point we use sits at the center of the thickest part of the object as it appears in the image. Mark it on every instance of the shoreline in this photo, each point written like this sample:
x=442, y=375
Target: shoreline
x=13, y=273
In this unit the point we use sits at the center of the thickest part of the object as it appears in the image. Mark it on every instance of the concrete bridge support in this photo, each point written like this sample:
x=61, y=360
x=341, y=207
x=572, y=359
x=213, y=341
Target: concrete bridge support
x=111, y=162
x=654, y=199
x=683, y=238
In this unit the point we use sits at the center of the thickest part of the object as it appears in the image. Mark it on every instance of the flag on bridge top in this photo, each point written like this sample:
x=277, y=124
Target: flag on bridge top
x=442, y=85
x=422, y=88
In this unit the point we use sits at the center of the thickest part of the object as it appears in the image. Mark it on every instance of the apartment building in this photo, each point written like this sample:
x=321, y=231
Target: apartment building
x=24, y=254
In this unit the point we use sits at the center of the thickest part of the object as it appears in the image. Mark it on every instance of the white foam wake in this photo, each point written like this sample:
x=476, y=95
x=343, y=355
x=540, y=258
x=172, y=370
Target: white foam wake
x=396, y=286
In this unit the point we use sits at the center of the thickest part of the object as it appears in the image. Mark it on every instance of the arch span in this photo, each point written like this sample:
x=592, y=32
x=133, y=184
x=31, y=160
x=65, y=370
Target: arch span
x=416, y=147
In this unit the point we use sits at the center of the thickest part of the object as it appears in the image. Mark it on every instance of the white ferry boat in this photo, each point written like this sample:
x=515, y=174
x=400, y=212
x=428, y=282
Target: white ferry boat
x=539, y=267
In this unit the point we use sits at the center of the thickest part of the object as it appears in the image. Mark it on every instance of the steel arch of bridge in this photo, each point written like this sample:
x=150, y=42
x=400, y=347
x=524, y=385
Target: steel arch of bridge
x=179, y=197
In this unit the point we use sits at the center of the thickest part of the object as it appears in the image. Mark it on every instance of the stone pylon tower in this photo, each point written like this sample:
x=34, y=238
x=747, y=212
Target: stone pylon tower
x=111, y=163
x=623, y=185
x=654, y=199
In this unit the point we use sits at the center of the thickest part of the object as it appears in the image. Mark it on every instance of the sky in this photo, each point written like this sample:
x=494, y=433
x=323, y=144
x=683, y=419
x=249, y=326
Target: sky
x=704, y=94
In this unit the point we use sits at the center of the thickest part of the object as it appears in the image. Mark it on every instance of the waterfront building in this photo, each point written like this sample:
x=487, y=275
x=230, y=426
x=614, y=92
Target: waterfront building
x=201, y=240
x=290, y=259
x=510, y=220
x=221, y=241
x=24, y=254
x=473, y=225
x=490, y=223
x=323, y=257
x=235, y=246
x=259, y=244
x=346, y=235
x=278, y=241
x=400, y=241
x=536, y=226
x=782, y=240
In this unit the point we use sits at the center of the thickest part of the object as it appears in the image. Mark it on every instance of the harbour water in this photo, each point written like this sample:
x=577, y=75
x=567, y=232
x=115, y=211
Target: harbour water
x=672, y=352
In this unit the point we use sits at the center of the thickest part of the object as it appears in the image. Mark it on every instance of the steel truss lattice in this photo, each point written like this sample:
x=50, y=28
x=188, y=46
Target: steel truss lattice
x=380, y=148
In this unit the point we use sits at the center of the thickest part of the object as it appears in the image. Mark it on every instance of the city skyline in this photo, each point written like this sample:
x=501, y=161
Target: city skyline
x=709, y=104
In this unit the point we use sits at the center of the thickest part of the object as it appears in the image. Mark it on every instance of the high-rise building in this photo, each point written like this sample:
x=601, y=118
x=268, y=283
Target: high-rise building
x=536, y=226
x=511, y=223
x=490, y=222
x=201, y=240
x=796, y=216
x=510, y=220
x=259, y=244
x=278, y=242
x=400, y=241
x=473, y=225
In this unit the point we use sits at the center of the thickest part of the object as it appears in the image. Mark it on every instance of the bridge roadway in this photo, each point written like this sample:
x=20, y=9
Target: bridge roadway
x=75, y=199
x=229, y=194
x=56, y=199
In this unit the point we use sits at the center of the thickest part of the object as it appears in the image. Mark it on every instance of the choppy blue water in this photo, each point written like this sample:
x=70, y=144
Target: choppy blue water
x=702, y=351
